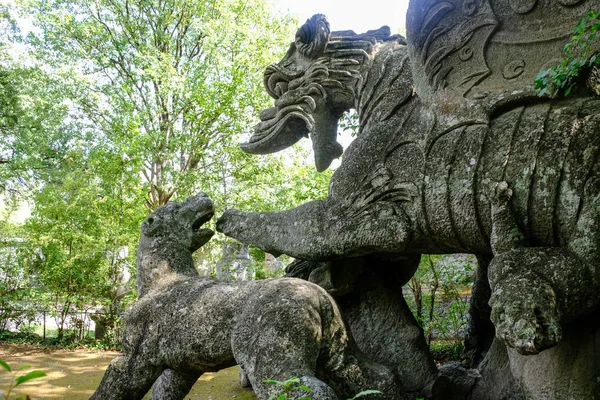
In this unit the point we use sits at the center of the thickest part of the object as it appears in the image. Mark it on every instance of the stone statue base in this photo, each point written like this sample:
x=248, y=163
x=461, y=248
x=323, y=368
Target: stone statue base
x=571, y=370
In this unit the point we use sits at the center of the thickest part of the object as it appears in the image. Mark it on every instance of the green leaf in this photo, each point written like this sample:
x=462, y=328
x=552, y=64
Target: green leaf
x=366, y=393
x=543, y=74
x=291, y=381
x=567, y=47
x=305, y=388
x=568, y=90
x=5, y=366
x=29, y=376
x=272, y=382
x=24, y=366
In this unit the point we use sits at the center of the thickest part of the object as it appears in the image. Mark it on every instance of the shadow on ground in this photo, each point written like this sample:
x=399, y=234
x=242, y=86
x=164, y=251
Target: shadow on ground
x=74, y=375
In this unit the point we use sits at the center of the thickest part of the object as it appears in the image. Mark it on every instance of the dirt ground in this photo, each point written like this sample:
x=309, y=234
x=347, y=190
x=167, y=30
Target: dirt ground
x=74, y=375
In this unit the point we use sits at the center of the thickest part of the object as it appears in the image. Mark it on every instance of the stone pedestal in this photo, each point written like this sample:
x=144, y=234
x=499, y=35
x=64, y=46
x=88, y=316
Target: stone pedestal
x=569, y=371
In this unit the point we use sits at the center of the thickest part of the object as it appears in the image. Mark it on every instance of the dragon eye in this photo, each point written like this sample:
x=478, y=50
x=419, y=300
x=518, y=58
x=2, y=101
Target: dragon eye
x=150, y=221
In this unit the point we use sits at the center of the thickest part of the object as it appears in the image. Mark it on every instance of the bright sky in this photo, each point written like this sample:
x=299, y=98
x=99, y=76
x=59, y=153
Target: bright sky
x=357, y=15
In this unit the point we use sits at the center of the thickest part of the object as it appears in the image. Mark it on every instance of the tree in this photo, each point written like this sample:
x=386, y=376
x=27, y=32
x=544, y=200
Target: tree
x=139, y=102
x=170, y=83
x=34, y=134
x=14, y=274
x=439, y=302
x=9, y=104
x=85, y=230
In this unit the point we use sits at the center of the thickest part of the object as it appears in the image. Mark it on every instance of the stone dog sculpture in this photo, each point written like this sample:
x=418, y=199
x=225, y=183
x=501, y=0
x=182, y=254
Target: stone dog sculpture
x=455, y=154
x=183, y=325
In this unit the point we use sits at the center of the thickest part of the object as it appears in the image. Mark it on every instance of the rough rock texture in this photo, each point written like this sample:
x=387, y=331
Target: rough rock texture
x=368, y=291
x=480, y=330
x=569, y=371
x=456, y=153
x=455, y=382
x=497, y=381
x=183, y=325
x=169, y=237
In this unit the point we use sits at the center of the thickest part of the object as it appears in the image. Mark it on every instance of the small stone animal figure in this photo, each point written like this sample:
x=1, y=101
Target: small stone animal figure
x=184, y=325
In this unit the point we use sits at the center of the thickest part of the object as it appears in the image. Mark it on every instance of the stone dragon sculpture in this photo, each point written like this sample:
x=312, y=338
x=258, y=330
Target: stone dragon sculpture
x=456, y=153
x=184, y=325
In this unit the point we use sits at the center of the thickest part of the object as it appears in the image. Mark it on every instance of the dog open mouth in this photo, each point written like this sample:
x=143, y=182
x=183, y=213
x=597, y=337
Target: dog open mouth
x=201, y=236
x=201, y=219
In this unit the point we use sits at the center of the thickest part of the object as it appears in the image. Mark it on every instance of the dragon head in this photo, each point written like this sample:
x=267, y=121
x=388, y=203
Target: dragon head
x=313, y=85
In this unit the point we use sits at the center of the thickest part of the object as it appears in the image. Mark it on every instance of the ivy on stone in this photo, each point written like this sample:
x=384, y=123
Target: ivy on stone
x=579, y=55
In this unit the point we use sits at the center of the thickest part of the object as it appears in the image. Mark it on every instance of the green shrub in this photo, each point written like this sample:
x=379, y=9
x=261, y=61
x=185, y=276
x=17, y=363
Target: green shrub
x=443, y=351
x=107, y=343
x=578, y=55
x=293, y=384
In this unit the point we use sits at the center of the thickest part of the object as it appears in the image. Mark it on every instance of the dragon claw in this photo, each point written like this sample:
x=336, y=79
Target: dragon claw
x=529, y=323
x=501, y=193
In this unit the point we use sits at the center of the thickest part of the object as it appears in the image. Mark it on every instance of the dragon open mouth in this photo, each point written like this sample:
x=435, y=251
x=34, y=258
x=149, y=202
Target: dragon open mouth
x=280, y=128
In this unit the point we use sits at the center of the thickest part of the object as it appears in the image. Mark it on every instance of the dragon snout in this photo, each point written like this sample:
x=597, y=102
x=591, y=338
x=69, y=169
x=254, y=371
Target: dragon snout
x=277, y=79
x=275, y=83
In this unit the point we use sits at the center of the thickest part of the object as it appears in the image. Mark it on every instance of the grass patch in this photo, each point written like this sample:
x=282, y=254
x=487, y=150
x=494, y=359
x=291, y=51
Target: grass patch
x=444, y=351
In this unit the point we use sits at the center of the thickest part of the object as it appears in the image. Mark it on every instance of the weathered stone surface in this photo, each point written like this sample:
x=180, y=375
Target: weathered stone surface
x=569, y=371
x=455, y=154
x=480, y=330
x=169, y=237
x=497, y=381
x=183, y=325
x=369, y=293
x=455, y=382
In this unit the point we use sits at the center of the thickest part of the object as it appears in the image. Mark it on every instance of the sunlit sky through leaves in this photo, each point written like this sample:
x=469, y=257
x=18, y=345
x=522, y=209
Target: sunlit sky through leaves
x=357, y=15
